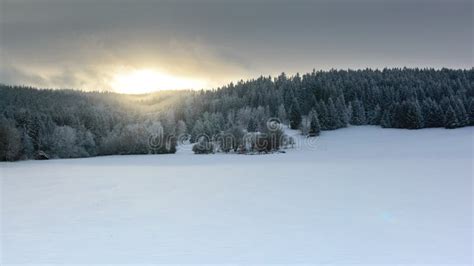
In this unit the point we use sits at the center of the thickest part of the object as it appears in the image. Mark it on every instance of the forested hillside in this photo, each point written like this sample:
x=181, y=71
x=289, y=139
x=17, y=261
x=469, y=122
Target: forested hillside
x=67, y=123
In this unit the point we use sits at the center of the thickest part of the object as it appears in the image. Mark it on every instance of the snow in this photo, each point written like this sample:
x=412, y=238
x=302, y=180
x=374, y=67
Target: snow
x=356, y=195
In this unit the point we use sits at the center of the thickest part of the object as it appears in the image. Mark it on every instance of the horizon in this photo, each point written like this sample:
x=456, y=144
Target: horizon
x=272, y=77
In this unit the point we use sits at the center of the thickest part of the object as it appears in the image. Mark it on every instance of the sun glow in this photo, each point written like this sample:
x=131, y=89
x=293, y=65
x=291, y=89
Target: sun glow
x=149, y=80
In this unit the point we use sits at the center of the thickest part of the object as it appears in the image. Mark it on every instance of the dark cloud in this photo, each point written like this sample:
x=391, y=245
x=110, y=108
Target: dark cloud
x=80, y=43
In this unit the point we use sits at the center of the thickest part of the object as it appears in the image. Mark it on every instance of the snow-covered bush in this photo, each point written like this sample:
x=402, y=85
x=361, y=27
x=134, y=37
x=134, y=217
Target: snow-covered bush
x=203, y=146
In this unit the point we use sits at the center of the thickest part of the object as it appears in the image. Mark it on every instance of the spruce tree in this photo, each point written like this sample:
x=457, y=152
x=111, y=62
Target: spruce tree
x=432, y=114
x=470, y=110
x=461, y=114
x=358, y=113
x=282, y=114
x=198, y=130
x=28, y=149
x=314, y=126
x=253, y=125
x=412, y=117
x=295, y=115
x=386, y=120
x=10, y=141
x=375, y=116
x=322, y=115
x=451, y=118
x=333, y=118
x=342, y=112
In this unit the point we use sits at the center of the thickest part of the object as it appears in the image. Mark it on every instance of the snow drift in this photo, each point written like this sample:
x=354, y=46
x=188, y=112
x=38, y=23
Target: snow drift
x=355, y=195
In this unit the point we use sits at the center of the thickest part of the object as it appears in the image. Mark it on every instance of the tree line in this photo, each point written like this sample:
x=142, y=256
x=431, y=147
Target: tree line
x=68, y=124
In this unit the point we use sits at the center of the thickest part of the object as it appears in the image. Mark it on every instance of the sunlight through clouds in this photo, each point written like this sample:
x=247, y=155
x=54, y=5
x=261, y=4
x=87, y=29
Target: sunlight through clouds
x=149, y=80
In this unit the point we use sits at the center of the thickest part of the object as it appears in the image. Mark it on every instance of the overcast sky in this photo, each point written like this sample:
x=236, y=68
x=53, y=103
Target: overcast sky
x=82, y=44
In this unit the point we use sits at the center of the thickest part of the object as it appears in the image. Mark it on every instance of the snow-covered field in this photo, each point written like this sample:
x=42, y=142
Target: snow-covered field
x=356, y=195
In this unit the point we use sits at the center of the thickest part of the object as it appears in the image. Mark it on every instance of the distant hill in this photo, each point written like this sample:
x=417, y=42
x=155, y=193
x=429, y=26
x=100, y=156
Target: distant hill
x=68, y=123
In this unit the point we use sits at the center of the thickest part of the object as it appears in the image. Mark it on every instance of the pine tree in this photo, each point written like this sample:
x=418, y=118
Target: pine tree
x=295, y=115
x=181, y=128
x=432, y=114
x=470, y=110
x=396, y=118
x=313, y=102
x=342, y=112
x=358, y=113
x=386, y=120
x=460, y=111
x=253, y=125
x=322, y=114
x=314, y=126
x=333, y=118
x=375, y=116
x=28, y=149
x=198, y=130
x=282, y=114
x=451, y=118
x=412, y=117
x=10, y=141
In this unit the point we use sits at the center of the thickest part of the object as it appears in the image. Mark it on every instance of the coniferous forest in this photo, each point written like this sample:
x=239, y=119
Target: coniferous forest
x=44, y=123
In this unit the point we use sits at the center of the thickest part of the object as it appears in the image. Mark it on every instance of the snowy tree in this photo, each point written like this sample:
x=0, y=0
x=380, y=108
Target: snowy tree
x=231, y=139
x=10, y=141
x=470, y=111
x=65, y=142
x=86, y=143
x=282, y=114
x=451, y=118
x=332, y=116
x=411, y=115
x=315, y=127
x=203, y=146
x=342, y=112
x=181, y=128
x=432, y=114
x=358, y=116
x=252, y=125
x=28, y=150
x=375, y=116
x=460, y=111
x=386, y=120
x=295, y=115
x=198, y=130
x=323, y=116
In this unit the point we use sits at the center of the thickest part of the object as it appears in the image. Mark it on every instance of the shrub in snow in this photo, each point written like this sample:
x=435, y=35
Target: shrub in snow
x=270, y=140
x=230, y=140
x=203, y=146
x=41, y=155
